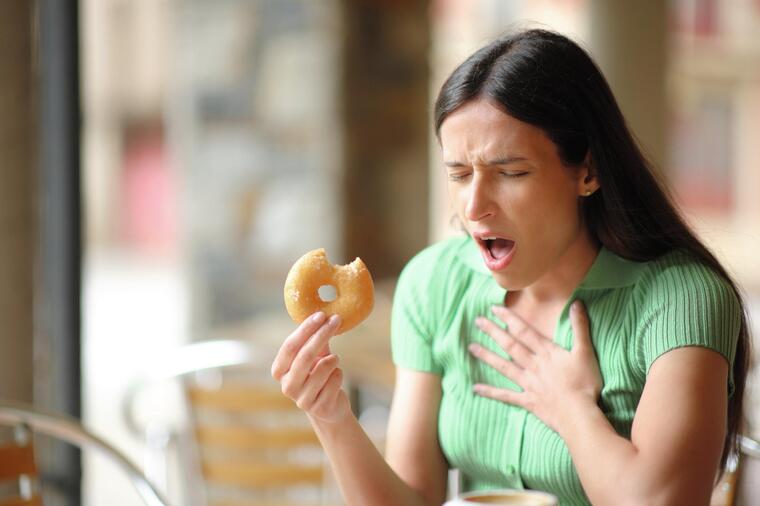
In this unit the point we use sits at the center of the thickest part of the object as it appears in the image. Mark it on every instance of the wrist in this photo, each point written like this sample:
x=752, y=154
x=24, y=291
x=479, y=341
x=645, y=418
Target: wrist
x=331, y=426
x=579, y=411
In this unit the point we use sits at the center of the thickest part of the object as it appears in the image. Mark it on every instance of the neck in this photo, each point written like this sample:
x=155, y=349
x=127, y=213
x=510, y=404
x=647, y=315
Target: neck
x=558, y=284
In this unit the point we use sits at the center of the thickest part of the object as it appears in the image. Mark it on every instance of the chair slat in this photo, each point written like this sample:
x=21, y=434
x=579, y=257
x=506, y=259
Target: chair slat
x=249, y=438
x=18, y=501
x=16, y=461
x=240, y=399
x=243, y=417
x=261, y=475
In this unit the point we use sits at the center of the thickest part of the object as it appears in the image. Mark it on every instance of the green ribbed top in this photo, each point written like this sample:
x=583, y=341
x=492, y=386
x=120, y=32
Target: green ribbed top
x=638, y=311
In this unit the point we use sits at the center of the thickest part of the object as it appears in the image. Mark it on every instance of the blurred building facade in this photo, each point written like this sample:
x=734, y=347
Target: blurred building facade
x=714, y=117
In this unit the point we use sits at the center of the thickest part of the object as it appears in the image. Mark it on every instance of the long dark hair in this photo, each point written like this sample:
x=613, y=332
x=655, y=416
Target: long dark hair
x=545, y=79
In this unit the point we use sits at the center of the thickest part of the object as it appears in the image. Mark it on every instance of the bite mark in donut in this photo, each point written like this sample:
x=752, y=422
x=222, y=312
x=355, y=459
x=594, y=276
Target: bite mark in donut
x=354, y=290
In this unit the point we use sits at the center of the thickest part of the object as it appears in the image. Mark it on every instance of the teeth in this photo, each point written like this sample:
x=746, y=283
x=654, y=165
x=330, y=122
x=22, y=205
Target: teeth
x=489, y=238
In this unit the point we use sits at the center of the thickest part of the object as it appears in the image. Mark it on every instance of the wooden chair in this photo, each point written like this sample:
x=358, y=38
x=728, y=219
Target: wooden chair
x=243, y=442
x=17, y=460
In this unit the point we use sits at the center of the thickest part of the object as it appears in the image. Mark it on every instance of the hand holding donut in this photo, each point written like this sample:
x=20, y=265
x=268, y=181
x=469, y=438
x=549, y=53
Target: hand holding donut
x=304, y=366
x=309, y=373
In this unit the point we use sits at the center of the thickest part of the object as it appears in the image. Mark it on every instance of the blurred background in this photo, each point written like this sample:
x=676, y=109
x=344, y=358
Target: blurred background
x=164, y=162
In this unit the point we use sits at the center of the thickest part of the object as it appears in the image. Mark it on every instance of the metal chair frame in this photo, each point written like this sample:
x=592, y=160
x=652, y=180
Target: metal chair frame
x=70, y=430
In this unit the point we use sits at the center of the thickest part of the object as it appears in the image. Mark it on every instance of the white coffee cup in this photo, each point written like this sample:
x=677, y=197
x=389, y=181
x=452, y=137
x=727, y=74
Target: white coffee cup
x=505, y=497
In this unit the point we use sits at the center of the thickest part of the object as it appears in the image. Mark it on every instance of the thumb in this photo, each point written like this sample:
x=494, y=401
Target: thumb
x=580, y=324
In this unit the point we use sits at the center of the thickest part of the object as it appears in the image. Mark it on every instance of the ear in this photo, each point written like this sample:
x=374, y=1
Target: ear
x=588, y=182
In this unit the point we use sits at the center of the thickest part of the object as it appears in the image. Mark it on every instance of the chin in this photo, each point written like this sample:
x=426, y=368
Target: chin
x=507, y=282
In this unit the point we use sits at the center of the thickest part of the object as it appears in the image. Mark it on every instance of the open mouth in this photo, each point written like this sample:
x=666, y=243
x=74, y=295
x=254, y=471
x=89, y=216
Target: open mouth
x=499, y=248
x=497, y=251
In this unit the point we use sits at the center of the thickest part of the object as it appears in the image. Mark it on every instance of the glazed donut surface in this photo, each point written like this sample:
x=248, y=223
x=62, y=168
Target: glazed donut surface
x=353, y=286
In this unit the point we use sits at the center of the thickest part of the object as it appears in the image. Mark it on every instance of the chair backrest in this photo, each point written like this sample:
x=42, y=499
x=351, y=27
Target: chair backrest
x=243, y=441
x=254, y=445
x=20, y=458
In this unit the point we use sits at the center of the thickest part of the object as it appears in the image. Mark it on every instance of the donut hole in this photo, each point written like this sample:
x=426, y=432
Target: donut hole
x=328, y=293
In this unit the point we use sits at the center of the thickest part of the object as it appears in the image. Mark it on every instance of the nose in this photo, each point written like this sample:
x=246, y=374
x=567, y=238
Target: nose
x=480, y=205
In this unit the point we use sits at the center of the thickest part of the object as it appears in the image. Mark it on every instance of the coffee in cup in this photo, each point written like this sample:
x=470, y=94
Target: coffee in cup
x=505, y=497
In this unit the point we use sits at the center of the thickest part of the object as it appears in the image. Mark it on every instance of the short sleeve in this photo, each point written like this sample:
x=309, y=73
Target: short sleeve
x=412, y=318
x=688, y=304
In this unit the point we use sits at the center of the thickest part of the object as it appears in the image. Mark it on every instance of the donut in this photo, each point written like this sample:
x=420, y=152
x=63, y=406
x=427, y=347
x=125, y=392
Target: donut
x=355, y=294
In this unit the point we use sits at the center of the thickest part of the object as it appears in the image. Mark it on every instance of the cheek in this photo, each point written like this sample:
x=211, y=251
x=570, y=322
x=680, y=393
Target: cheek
x=452, y=193
x=549, y=215
x=458, y=197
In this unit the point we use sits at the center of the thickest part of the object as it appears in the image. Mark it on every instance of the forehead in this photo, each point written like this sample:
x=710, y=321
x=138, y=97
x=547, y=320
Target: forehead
x=479, y=128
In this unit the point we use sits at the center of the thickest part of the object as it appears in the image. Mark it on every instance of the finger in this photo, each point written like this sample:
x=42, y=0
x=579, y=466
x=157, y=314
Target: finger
x=505, y=367
x=322, y=353
x=520, y=353
x=501, y=394
x=580, y=324
x=332, y=386
x=303, y=362
x=522, y=331
x=316, y=381
x=292, y=345
x=325, y=350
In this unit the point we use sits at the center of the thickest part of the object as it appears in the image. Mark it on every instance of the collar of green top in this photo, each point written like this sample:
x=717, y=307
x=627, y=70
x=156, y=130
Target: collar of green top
x=608, y=270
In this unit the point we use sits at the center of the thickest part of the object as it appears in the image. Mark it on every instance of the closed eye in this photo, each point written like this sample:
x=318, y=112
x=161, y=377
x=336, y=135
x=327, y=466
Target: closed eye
x=514, y=174
x=458, y=177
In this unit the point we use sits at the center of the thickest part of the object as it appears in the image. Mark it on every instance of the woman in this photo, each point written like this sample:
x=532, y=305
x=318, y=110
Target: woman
x=579, y=340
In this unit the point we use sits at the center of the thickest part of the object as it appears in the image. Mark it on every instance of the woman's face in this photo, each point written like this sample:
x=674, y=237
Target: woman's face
x=512, y=192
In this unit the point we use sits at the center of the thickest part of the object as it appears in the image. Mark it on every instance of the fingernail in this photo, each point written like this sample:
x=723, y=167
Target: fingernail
x=479, y=321
x=576, y=305
x=334, y=320
x=474, y=348
x=477, y=389
x=318, y=317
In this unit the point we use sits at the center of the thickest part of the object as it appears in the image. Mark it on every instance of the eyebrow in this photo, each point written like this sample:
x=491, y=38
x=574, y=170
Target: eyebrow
x=505, y=160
